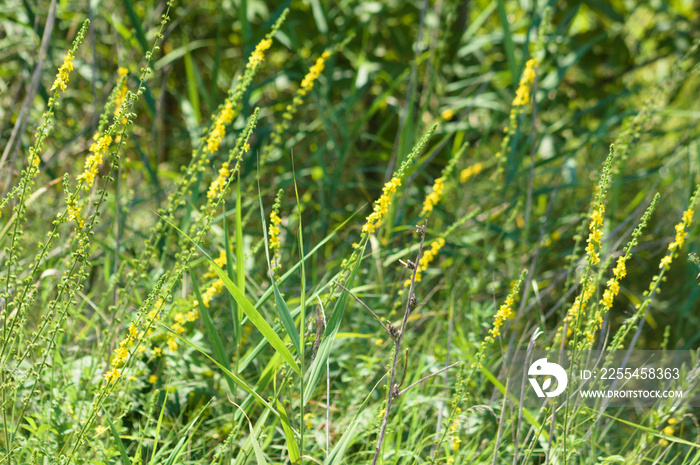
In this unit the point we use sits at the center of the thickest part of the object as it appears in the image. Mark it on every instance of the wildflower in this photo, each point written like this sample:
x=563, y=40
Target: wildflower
x=620, y=270
x=157, y=351
x=121, y=94
x=178, y=328
x=94, y=160
x=381, y=206
x=219, y=131
x=307, y=419
x=522, y=95
x=447, y=115
x=112, y=375
x=212, y=291
x=74, y=213
x=152, y=379
x=220, y=262
x=63, y=73
x=218, y=184
x=120, y=356
x=172, y=344
x=258, y=54
x=506, y=309
x=426, y=259
x=432, y=199
x=666, y=262
x=314, y=72
x=274, y=231
x=470, y=171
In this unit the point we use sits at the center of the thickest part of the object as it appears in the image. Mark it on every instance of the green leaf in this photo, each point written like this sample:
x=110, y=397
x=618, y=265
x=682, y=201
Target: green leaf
x=158, y=425
x=235, y=313
x=292, y=446
x=186, y=438
x=226, y=371
x=250, y=311
x=508, y=42
x=136, y=22
x=212, y=334
x=259, y=456
x=118, y=440
x=282, y=309
x=255, y=318
x=338, y=453
x=324, y=349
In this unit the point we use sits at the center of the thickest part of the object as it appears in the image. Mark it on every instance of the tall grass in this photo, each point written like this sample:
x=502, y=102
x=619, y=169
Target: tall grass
x=312, y=233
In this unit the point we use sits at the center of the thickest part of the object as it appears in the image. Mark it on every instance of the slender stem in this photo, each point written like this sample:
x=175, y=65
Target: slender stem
x=410, y=304
x=425, y=378
x=364, y=305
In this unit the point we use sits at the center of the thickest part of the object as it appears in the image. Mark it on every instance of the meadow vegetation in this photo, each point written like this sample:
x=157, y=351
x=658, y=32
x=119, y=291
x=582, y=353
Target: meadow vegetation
x=246, y=231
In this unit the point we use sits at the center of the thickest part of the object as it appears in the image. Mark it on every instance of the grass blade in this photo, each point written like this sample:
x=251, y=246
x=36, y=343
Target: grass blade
x=118, y=440
x=226, y=371
x=292, y=446
x=324, y=349
x=282, y=309
x=508, y=42
x=253, y=315
x=212, y=333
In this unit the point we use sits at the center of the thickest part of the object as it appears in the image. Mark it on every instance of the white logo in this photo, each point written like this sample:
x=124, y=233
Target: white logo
x=542, y=367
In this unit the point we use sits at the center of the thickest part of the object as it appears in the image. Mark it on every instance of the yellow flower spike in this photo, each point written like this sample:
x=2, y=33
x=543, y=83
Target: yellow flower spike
x=95, y=159
x=217, y=185
x=381, y=206
x=63, y=73
x=112, y=375
x=620, y=270
x=506, y=309
x=428, y=256
x=274, y=231
x=470, y=171
x=74, y=213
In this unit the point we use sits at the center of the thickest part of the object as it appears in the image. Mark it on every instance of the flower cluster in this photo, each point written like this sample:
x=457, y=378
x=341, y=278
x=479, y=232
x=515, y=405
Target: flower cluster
x=669, y=430
x=222, y=119
x=426, y=259
x=470, y=171
x=679, y=240
x=613, y=284
x=522, y=95
x=505, y=311
x=434, y=197
x=121, y=354
x=314, y=72
x=258, y=55
x=274, y=232
x=95, y=159
x=63, y=73
x=381, y=206
x=596, y=232
x=216, y=185
x=454, y=430
x=121, y=93
x=74, y=213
